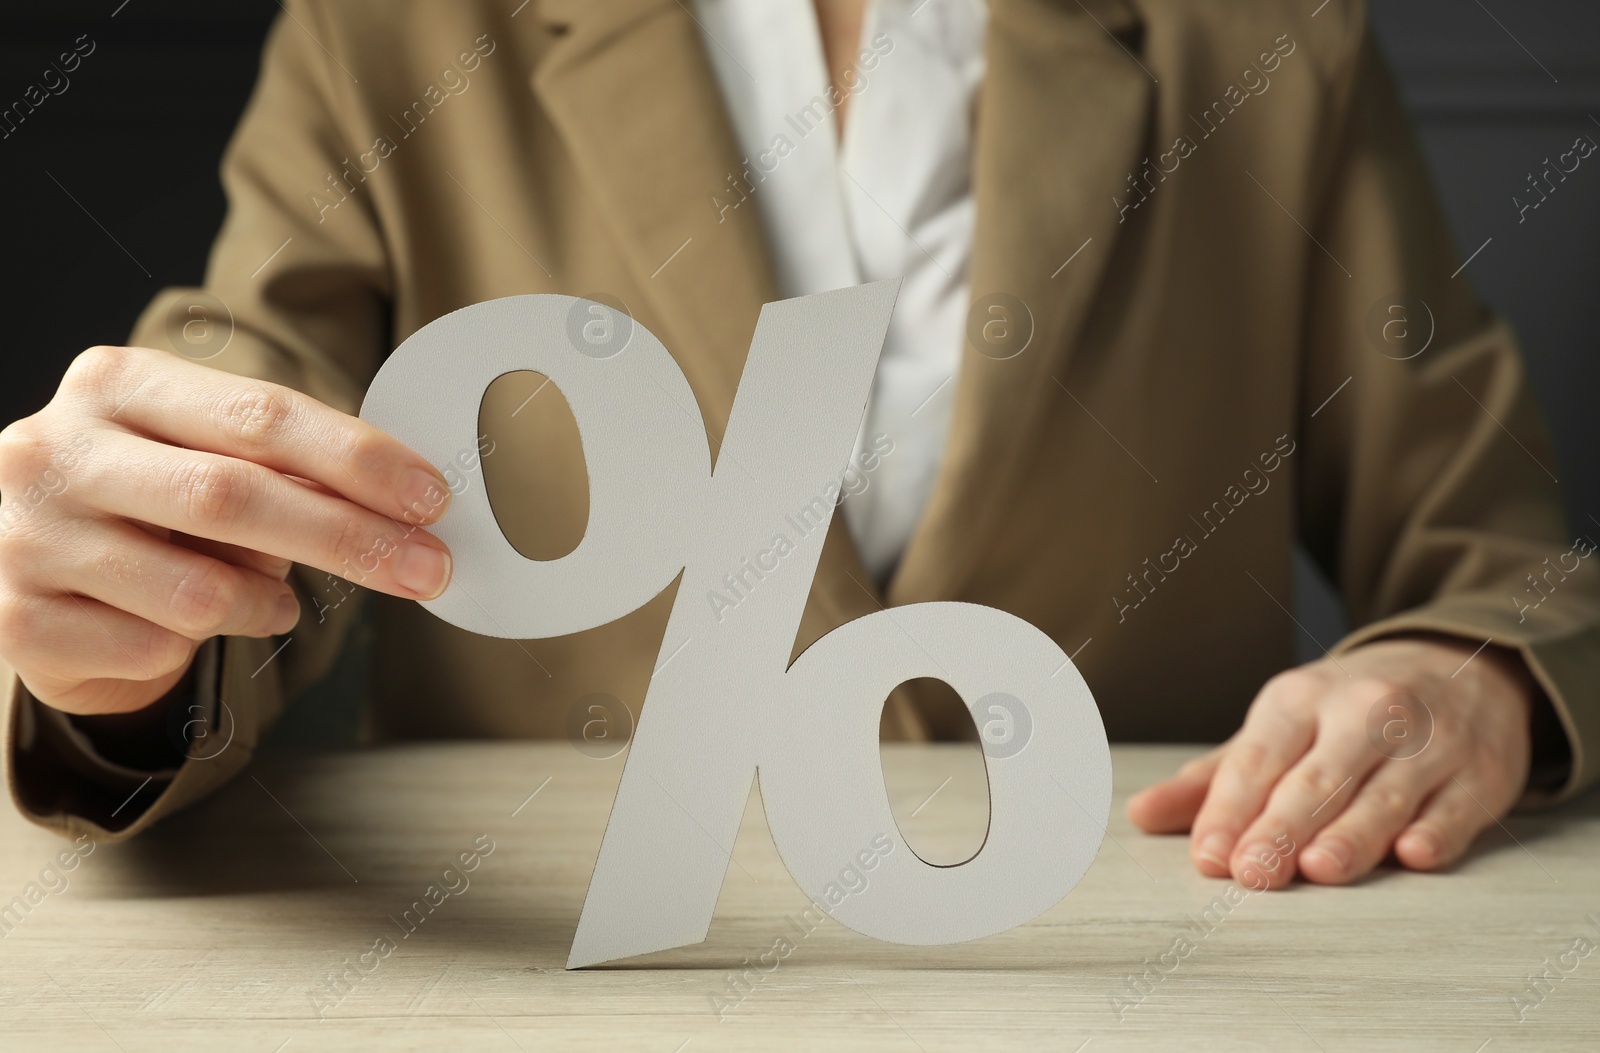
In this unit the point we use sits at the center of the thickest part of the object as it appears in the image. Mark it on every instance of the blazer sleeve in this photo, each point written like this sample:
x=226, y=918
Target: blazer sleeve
x=293, y=294
x=1429, y=491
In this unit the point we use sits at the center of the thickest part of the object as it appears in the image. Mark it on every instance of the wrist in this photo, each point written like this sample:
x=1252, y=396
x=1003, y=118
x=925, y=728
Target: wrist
x=1550, y=748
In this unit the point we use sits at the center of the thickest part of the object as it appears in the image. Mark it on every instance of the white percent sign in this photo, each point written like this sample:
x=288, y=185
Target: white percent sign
x=724, y=705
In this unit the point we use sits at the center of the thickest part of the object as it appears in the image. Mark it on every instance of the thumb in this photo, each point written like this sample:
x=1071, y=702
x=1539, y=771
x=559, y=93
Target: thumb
x=1169, y=806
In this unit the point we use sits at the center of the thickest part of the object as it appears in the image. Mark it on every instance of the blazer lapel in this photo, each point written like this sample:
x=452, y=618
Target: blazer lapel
x=1062, y=119
x=630, y=89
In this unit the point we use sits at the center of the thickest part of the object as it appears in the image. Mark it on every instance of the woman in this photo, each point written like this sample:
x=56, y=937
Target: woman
x=1150, y=256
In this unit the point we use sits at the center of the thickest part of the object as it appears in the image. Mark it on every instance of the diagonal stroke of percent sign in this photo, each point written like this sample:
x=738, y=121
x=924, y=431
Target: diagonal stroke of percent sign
x=793, y=424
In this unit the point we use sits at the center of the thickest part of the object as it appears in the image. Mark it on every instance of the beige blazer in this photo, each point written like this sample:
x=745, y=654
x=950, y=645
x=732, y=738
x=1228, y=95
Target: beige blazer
x=1206, y=209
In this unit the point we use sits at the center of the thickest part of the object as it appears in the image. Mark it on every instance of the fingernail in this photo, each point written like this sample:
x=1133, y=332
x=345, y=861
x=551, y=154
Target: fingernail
x=425, y=496
x=1214, y=849
x=1335, y=853
x=288, y=614
x=1425, y=843
x=423, y=569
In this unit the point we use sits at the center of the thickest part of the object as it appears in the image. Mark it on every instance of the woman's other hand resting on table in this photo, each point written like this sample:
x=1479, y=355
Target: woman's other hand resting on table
x=1340, y=756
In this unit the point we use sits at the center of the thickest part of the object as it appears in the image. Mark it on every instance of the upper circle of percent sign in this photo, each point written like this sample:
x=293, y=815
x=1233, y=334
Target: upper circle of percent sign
x=729, y=707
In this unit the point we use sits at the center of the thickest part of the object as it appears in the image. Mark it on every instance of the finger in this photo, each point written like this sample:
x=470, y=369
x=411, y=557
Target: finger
x=1360, y=836
x=253, y=507
x=191, y=405
x=1309, y=796
x=106, y=696
x=260, y=562
x=1169, y=806
x=1272, y=739
x=66, y=643
x=1448, y=823
x=191, y=594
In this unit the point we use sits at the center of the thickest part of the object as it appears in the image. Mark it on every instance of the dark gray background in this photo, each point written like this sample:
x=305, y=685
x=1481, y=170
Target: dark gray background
x=136, y=138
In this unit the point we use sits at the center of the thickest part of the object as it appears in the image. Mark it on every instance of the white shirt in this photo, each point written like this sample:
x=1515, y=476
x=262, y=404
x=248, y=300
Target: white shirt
x=893, y=199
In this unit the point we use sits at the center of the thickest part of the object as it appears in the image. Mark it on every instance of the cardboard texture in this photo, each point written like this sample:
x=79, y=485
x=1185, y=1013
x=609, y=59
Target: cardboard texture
x=723, y=706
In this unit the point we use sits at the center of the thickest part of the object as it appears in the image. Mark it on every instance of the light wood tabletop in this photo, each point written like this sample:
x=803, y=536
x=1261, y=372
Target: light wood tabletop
x=242, y=925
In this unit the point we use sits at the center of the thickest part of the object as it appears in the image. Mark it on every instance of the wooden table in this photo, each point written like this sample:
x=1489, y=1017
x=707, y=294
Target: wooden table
x=218, y=930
